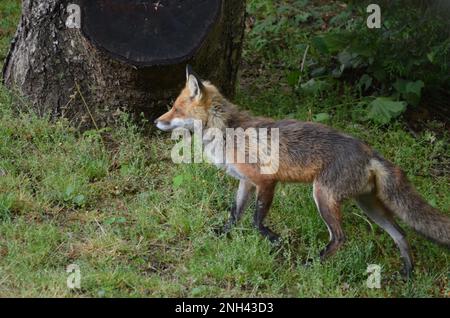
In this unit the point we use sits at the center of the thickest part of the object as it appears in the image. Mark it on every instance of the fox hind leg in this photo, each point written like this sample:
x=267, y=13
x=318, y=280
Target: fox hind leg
x=264, y=200
x=375, y=209
x=241, y=200
x=330, y=212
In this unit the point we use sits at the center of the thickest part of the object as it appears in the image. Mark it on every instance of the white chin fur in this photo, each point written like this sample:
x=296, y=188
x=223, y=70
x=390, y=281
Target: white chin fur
x=164, y=127
x=176, y=123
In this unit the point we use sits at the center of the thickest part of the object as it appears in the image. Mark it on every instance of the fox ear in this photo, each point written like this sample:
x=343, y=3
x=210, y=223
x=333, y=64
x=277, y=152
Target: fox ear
x=189, y=71
x=194, y=83
x=195, y=87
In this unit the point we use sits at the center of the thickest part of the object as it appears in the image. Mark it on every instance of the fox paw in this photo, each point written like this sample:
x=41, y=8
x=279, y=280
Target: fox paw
x=406, y=273
x=224, y=229
x=272, y=237
x=308, y=262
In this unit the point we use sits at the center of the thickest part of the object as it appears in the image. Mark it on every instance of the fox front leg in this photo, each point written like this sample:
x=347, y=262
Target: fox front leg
x=243, y=194
x=264, y=200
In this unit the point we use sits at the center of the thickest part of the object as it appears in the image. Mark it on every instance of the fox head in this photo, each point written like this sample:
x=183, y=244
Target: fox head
x=192, y=104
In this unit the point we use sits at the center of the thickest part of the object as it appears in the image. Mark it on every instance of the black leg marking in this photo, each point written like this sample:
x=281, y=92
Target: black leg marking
x=243, y=194
x=263, y=202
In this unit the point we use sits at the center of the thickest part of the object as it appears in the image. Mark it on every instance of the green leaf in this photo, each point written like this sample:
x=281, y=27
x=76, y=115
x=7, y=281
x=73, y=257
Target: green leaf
x=383, y=109
x=178, y=180
x=121, y=220
x=341, y=18
x=321, y=117
x=409, y=87
x=318, y=71
x=79, y=200
x=331, y=43
x=113, y=220
x=409, y=90
x=348, y=59
x=302, y=17
x=196, y=291
x=433, y=203
x=400, y=86
x=415, y=87
x=431, y=56
x=110, y=221
x=319, y=43
x=314, y=86
x=69, y=190
x=365, y=82
x=292, y=78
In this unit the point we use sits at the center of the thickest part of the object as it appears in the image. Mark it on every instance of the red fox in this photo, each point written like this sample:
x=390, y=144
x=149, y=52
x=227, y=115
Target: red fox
x=339, y=167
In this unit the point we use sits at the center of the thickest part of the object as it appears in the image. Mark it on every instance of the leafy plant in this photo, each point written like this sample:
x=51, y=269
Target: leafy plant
x=406, y=57
x=410, y=91
x=383, y=109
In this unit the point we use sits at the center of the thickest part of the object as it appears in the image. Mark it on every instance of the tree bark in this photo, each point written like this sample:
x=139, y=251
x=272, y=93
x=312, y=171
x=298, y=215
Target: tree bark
x=62, y=74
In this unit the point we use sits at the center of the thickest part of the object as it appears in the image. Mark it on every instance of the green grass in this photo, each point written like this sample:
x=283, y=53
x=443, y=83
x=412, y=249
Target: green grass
x=107, y=201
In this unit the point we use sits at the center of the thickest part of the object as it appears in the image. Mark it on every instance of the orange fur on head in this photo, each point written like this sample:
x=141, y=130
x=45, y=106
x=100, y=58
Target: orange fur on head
x=186, y=106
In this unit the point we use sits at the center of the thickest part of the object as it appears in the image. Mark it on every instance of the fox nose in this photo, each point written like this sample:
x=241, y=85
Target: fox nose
x=156, y=121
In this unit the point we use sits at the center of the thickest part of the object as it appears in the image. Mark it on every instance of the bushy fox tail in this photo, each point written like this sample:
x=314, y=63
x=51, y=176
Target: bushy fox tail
x=397, y=193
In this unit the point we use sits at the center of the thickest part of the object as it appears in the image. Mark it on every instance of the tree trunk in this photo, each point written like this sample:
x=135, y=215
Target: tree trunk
x=64, y=72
